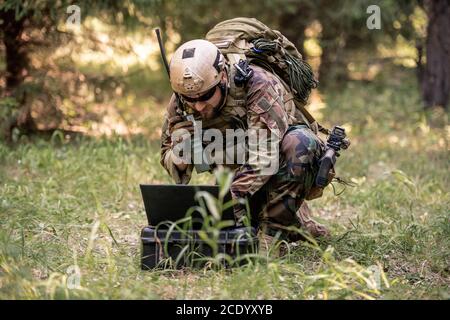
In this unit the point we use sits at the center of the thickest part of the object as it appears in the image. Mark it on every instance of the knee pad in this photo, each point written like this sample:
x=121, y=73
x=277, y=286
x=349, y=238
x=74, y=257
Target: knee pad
x=301, y=149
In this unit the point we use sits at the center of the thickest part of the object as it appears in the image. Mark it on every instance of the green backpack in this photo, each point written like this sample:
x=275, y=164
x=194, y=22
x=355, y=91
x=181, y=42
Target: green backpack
x=250, y=40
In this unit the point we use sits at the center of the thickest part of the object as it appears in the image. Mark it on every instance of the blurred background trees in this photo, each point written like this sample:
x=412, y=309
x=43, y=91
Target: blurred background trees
x=435, y=76
x=57, y=76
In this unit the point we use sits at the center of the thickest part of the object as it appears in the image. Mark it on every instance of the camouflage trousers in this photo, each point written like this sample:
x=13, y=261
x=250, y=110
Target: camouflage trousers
x=281, y=202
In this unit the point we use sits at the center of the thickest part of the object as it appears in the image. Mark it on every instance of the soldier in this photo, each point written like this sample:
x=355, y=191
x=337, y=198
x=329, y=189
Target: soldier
x=200, y=77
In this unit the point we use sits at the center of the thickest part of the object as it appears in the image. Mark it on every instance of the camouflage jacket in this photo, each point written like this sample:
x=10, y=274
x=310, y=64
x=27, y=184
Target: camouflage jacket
x=268, y=106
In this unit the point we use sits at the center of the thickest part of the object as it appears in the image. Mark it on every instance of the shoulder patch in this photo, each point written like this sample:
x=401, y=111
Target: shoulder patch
x=264, y=104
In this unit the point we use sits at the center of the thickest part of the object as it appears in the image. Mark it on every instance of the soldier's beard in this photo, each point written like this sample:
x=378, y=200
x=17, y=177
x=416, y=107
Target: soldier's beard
x=214, y=111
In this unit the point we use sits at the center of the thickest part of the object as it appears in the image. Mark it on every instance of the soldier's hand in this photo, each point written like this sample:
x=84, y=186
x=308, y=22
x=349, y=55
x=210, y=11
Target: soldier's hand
x=180, y=145
x=180, y=131
x=240, y=214
x=178, y=122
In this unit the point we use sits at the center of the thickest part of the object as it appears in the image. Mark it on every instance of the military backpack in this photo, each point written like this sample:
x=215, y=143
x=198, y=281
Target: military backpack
x=245, y=41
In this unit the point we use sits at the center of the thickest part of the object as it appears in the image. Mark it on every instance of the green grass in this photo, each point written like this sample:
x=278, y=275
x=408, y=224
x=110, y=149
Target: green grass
x=76, y=202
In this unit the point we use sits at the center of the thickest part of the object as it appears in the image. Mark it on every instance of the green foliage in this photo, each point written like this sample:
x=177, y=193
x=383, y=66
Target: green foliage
x=7, y=106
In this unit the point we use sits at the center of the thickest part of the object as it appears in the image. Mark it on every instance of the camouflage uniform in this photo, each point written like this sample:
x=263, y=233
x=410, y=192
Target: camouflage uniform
x=277, y=200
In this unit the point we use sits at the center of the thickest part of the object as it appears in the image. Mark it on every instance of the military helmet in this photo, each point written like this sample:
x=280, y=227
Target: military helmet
x=195, y=67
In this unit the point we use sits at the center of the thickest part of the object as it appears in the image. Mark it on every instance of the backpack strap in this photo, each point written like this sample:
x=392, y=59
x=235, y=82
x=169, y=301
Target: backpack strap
x=288, y=96
x=312, y=123
x=307, y=118
x=237, y=94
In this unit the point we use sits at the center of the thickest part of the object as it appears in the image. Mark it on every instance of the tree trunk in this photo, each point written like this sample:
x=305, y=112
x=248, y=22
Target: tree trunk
x=435, y=80
x=16, y=55
x=17, y=65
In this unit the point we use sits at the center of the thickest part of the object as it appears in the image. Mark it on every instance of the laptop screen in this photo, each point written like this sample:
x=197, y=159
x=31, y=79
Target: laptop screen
x=172, y=202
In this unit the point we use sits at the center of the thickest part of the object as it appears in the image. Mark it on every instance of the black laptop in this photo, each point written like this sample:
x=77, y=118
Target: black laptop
x=171, y=202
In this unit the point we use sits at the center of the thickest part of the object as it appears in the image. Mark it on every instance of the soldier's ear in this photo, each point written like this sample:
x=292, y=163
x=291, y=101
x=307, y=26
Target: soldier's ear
x=224, y=75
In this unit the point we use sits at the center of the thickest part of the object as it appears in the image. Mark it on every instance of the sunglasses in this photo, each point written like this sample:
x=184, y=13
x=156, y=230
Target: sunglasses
x=204, y=97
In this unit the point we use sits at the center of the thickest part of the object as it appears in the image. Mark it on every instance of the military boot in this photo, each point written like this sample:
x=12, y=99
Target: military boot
x=271, y=247
x=313, y=227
